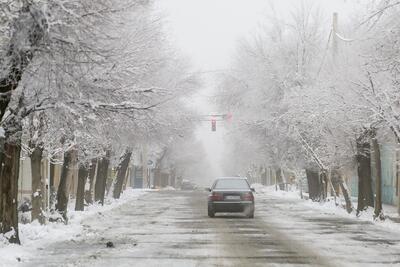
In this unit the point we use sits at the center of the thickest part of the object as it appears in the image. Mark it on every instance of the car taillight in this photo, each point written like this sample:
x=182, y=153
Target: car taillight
x=216, y=196
x=248, y=196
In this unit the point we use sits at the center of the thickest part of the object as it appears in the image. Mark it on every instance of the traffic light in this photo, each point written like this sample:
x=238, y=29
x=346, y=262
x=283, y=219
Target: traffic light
x=229, y=117
x=213, y=125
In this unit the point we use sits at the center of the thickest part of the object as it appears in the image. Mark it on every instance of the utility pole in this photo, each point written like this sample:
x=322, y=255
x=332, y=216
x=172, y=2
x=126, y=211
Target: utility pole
x=398, y=192
x=398, y=181
x=334, y=35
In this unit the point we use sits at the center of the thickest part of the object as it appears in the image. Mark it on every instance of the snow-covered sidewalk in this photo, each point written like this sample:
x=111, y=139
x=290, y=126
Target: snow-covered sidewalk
x=33, y=236
x=345, y=239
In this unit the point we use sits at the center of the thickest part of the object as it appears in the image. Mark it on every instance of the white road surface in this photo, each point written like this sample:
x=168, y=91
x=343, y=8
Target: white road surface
x=171, y=228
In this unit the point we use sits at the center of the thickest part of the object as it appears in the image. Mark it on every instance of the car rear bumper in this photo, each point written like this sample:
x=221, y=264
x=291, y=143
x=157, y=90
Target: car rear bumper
x=231, y=206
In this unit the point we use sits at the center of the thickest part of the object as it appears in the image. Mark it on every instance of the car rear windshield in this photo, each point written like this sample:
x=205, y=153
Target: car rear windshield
x=231, y=184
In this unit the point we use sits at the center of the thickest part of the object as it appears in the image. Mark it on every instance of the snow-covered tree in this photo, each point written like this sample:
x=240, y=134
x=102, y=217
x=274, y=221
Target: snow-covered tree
x=102, y=77
x=317, y=97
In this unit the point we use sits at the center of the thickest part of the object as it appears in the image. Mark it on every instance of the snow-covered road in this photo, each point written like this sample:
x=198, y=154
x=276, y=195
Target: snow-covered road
x=171, y=228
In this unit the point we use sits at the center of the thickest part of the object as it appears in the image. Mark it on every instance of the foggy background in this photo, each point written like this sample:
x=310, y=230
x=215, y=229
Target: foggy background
x=208, y=32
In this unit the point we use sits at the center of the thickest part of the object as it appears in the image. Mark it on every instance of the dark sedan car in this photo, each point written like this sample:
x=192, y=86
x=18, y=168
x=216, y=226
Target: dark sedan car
x=231, y=194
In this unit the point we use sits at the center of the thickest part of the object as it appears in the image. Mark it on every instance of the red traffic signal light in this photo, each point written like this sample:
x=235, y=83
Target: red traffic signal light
x=229, y=117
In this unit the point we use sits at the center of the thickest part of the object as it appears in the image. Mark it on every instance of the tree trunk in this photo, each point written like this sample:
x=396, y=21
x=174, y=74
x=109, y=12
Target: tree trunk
x=100, y=185
x=324, y=185
x=9, y=191
x=271, y=175
x=314, y=186
x=172, y=177
x=378, y=185
x=109, y=181
x=63, y=187
x=52, y=170
x=278, y=178
x=365, y=193
x=1, y=182
x=264, y=176
x=127, y=175
x=346, y=195
x=397, y=177
x=92, y=172
x=37, y=186
x=52, y=189
x=338, y=180
x=80, y=193
x=121, y=173
x=101, y=179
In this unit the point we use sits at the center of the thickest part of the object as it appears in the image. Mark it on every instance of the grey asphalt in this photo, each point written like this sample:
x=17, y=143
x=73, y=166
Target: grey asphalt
x=171, y=228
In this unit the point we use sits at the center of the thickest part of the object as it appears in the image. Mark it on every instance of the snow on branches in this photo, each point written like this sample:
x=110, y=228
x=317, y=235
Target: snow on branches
x=100, y=73
x=302, y=96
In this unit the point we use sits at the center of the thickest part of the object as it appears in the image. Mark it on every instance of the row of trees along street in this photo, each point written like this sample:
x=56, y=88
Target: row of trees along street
x=84, y=84
x=320, y=95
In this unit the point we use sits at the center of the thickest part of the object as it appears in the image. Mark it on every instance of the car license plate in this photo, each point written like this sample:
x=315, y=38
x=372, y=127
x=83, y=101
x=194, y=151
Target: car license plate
x=232, y=197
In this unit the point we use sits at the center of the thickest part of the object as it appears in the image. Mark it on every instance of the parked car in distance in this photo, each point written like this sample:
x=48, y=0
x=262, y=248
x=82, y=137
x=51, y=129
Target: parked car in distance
x=188, y=185
x=231, y=194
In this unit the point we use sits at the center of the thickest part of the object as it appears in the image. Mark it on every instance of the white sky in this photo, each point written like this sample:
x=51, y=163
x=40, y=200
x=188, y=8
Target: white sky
x=207, y=31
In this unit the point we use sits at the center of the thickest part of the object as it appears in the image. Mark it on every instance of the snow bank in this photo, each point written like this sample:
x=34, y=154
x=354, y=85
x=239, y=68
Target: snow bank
x=271, y=190
x=34, y=235
x=168, y=188
x=330, y=207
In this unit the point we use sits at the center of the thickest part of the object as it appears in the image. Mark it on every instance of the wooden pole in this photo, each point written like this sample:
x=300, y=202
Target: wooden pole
x=398, y=179
x=334, y=36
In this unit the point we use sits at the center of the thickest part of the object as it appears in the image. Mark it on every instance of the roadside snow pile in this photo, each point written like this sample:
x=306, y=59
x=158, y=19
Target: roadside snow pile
x=330, y=207
x=271, y=190
x=261, y=188
x=34, y=235
x=168, y=188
